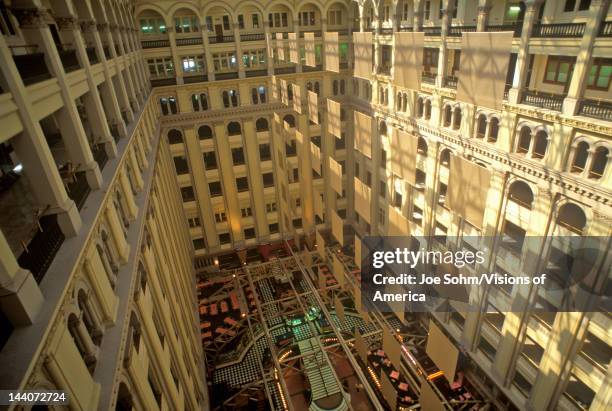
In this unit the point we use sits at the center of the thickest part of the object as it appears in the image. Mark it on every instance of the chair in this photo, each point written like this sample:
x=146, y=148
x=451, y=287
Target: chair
x=224, y=307
x=206, y=335
x=213, y=309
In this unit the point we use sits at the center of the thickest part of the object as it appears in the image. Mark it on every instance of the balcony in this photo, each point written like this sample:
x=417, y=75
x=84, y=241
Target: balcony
x=189, y=41
x=517, y=28
x=286, y=70
x=432, y=31
x=220, y=39
x=558, y=30
x=600, y=109
x=606, y=29
x=32, y=66
x=428, y=78
x=543, y=100
x=405, y=28
x=318, y=67
x=450, y=82
x=41, y=250
x=455, y=31
x=253, y=37
x=69, y=60
x=152, y=44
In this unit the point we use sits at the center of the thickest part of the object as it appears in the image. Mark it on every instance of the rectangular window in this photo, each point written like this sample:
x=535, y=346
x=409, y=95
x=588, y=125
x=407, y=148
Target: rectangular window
x=242, y=184
x=237, y=156
x=271, y=207
x=198, y=243
x=224, y=61
x=226, y=22
x=246, y=212
x=273, y=228
x=192, y=64
x=187, y=194
x=600, y=74
x=210, y=160
x=215, y=189
x=264, y=152
x=249, y=233
x=220, y=217
x=180, y=163
x=255, y=20
x=427, y=9
x=383, y=189
x=268, y=180
x=240, y=21
x=278, y=19
x=559, y=70
x=224, y=238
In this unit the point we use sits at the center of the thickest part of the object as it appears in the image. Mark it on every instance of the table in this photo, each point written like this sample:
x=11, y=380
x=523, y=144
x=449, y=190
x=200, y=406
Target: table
x=394, y=375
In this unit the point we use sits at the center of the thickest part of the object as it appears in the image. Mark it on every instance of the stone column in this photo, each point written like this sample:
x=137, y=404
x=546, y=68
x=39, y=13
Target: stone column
x=124, y=92
x=112, y=109
x=251, y=147
x=92, y=102
x=418, y=15
x=20, y=297
x=443, y=54
x=575, y=93
x=269, y=47
x=178, y=68
x=238, y=46
x=210, y=65
x=523, y=57
x=484, y=10
x=32, y=23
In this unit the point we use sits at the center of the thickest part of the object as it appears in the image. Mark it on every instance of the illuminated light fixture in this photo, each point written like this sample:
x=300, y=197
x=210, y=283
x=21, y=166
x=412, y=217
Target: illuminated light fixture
x=216, y=261
x=435, y=375
x=374, y=377
x=18, y=168
x=514, y=8
x=243, y=315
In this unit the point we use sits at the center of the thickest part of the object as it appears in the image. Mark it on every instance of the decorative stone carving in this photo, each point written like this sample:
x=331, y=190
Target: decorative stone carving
x=66, y=23
x=87, y=25
x=32, y=18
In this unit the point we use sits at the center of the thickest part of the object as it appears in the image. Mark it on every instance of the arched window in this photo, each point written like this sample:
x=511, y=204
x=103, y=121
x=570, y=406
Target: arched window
x=422, y=146
x=141, y=283
x=419, y=107
x=398, y=102
x=521, y=193
x=261, y=124
x=335, y=87
x=342, y=87
x=447, y=115
x=262, y=94
x=234, y=129
x=457, y=118
x=118, y=203
x=175, y=136
x=254, y=96
x=382, y=128
x=580, y=157
x=290, y=92
x=481, y=126
x=405, y=103
x=342, y=114
x=524, y=140
x=309, y=86
x=427, y=109
x=445, y=156
x=125, y=402
x=493, y=129
x=317, y=88
x=230, y=98
x=571, y=217
x=90, y=319
x=199, y=102
x=599, y=162
x=226, y=99
x=290, y=120
x=205, y=132
x=541, y=143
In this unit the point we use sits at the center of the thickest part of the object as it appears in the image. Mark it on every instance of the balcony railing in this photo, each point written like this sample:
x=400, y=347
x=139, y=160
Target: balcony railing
x=385, y=31
x=600, y=109
x=543, y=100
x=189, y=41
x=32, y=66
x=606, y=29
x=78, y=189
x=318, y=67
x=69, y=60
x=195, y=79
x=41, y=250
x=256, y=73
x=220, y=39
x=432, y=31
x=344, y=65
x=456, y=31
x=152, y=44
x=517, y=28
x=343, y=32
x=164, y=81
x=226, y=76
x=405, y=28
x=450, y=82
x=558, y=30
x=92, y=55
x=253, y=37
x=428, y=78
x=286, y=70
